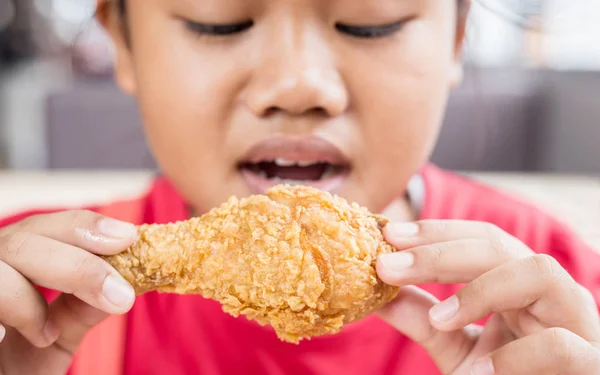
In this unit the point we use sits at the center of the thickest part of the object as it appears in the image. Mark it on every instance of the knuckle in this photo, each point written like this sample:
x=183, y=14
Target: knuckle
x=12, y=246
x=19, y=294
x=21, y=311
x=477, y=290
x=508, y=276
x=432, y=340
x=434, y=254
x=561, y=344
x=90, y=271
x=430, y=257
x=501, y=248
x=26, y=319
x=491, y=230
x=82, y=218
x=547, y=267
x=437, y=227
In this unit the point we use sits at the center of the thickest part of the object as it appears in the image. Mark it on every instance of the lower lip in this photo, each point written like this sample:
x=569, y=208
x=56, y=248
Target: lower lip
x=260, y=185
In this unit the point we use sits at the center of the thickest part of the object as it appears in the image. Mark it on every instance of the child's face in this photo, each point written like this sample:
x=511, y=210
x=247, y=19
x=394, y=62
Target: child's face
x=299, y=84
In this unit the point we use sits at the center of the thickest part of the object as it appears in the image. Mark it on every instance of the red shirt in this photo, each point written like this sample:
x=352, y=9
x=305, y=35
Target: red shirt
x=170, y=334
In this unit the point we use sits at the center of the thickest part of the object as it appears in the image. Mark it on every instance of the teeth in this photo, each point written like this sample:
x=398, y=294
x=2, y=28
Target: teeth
x=280, y=162
x=293, y=182
x=306, y=163
x=284, y=163
x=330, y=171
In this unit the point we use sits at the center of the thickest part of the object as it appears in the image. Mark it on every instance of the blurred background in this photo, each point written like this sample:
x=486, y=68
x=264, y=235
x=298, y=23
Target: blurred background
x=530, y=101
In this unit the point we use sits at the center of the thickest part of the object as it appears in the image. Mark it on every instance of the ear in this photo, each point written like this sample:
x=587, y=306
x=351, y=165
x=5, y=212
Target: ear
x=464, y=7
x=115, y=25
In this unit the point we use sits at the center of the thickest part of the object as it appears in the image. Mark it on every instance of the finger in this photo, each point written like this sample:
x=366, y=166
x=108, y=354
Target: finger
x=451, y=262
x=84, y=229
x=538, y=283
x=2, y=333
x=495, y=334
x=73, y=318
x=427, y=232
x=58, y=266
x=553, y=351
x=590, y=301
x=24, y=308
x=408, y=313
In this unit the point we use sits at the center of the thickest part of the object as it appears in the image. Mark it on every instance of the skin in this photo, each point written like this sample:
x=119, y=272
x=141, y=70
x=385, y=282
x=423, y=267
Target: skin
x=295, y=74
x=291, y=74
x=543, y=322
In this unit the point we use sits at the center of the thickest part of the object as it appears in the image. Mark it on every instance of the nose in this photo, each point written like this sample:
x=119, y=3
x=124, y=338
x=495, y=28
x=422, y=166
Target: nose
x=296, y=76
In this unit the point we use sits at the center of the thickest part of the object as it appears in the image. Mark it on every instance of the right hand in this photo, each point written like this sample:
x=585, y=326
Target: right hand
x=58, y=252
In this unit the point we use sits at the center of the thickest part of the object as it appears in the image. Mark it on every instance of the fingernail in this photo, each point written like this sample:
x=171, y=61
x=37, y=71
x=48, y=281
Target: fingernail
x=483, y=367
x=398, y=262
x=118, y=292
x=51, y=332
x=116, y=229
x=402, y=230
x=2, y=332
x=444, y=311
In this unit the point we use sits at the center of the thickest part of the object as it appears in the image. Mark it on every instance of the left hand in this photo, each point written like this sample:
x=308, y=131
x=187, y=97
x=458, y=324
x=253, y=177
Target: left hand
x=544, y=322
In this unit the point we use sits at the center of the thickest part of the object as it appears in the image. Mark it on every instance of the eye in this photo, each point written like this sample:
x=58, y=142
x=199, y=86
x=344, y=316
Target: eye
x=217, y=29
x=370, y=32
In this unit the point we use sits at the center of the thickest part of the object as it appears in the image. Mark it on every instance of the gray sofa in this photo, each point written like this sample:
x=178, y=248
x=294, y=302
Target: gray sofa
x=499, y=120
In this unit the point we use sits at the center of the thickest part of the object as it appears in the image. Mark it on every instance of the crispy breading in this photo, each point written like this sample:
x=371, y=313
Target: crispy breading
x=298, y=259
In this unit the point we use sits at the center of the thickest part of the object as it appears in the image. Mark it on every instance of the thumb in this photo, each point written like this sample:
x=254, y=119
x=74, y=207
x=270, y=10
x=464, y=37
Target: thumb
x=73, y=318
x=409, y=314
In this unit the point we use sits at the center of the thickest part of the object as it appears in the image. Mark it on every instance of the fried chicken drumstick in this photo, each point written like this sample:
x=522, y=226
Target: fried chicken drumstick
x=298, y=259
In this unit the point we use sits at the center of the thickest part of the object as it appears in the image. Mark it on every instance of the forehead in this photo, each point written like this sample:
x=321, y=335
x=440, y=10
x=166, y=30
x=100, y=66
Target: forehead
x=328, y=10
x=208, y=5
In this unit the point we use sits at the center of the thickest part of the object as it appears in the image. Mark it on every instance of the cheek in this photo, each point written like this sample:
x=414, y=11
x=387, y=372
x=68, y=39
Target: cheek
x=401, y=94
x=185, y=98
x=185, y=95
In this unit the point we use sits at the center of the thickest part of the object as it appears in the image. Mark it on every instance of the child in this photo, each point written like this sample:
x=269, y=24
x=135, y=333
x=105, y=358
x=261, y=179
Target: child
x=344, y=95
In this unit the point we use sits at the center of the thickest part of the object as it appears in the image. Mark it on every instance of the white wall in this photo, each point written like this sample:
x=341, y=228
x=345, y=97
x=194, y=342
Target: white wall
x=570, y=41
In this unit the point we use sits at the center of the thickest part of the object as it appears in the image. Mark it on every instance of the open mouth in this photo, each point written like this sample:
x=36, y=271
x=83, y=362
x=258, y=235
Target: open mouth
x=312, y=162
x=294, y=172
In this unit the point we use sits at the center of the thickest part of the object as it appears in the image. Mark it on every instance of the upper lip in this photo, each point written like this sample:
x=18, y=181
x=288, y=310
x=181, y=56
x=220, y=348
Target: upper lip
x=309, y=149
